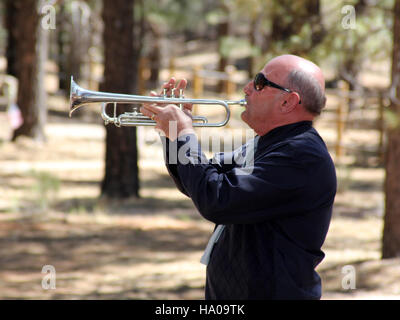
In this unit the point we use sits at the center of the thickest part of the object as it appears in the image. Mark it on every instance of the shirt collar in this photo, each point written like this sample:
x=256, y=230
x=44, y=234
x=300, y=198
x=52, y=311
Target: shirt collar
x=283, y=132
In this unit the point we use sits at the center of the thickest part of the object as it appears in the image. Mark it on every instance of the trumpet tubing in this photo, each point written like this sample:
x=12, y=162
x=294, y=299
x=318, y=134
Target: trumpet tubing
x=80, y=97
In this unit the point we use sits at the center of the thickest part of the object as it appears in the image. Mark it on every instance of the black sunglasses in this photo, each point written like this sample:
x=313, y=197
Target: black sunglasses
x=260, y=81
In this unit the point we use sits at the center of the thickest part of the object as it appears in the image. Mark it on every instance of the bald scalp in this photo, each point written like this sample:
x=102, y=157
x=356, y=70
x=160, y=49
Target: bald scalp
x=291, y=62
x=303, y=77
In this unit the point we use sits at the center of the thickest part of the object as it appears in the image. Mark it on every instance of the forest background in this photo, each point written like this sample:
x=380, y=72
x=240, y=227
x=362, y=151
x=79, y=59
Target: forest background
x=88, y=211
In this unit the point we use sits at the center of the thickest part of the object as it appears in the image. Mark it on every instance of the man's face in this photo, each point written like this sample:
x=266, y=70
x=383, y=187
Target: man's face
x=262, y=106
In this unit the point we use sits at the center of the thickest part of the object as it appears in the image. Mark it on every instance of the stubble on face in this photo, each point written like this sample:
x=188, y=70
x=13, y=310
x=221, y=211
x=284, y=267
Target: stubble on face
x=260, y=104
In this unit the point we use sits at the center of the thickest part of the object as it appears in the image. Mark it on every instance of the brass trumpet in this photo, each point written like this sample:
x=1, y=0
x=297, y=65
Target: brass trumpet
x=80, y=97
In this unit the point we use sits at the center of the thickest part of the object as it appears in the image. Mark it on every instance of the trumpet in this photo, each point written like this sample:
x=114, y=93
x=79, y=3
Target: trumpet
x=80, y=97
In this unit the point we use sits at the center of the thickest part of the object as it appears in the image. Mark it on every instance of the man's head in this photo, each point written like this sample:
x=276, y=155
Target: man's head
x=270, y=107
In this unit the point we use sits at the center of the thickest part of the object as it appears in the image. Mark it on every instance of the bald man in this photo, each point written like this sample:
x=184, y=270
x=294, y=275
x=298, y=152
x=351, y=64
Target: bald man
x=272, y=213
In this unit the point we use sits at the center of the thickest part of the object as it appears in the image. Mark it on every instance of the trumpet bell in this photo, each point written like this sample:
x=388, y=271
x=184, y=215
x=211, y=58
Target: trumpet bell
x=75, y=97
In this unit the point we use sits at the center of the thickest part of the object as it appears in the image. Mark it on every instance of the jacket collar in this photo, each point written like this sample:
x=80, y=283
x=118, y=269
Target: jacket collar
x=282, y=133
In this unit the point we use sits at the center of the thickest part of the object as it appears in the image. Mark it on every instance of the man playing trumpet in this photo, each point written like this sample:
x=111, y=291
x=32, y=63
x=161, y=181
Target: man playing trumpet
x=271, y=220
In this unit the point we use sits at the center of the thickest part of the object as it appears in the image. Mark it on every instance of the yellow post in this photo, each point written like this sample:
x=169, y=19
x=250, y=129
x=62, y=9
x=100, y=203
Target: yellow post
x=341, y=115
x=92, y=65
x=197, y=85
x=230, y=85
x=142, y=75
x=381, y=124
x=339, y=131
x=171, y=67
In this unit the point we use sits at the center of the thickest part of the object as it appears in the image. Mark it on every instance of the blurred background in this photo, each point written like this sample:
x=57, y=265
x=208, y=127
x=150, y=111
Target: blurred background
x=88, y=211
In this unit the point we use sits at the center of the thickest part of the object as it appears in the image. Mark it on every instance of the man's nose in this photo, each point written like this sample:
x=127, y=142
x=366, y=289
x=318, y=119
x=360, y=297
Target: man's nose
x=248, y=88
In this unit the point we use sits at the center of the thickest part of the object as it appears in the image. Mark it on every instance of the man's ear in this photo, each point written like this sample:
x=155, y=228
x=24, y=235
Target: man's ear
x=290, y=102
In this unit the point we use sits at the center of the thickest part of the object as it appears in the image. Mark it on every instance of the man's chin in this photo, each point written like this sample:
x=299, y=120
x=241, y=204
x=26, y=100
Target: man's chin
x=243, y=115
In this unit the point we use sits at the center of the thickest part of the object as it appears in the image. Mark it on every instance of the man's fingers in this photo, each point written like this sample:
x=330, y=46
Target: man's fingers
x=152, y=94
x=181, y=85
x=149, y=110
x=146, y=112
x=172, y=84
x=180, y=88
x=188, y=107
x=188, y=111
x=168, y=86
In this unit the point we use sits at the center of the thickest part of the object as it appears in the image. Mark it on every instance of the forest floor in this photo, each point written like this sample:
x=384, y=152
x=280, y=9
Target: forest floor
x=51, y=213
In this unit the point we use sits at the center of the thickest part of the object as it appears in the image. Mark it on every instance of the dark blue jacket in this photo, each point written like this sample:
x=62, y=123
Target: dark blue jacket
x=276, y=216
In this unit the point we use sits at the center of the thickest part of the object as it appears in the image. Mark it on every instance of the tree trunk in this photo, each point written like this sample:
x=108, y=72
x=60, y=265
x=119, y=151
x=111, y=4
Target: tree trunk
x=79, y=41
x=288, y=19
x=30, y=56
x=223, y=31
x=155, y=57
x=120, y=76
x=391, y=231
x=10, y=19
x=254, y=23
x=62, y=34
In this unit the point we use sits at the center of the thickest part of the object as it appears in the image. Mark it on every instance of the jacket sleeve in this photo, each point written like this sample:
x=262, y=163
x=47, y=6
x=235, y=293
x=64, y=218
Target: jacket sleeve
x=222, y=162
x=267, y=190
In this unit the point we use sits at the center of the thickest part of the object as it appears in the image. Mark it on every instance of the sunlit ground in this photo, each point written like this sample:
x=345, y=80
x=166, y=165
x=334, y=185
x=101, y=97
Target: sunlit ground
x=51, y=214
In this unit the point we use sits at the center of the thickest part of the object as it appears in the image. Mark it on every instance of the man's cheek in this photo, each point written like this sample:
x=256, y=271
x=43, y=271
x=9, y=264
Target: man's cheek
x=245, y=115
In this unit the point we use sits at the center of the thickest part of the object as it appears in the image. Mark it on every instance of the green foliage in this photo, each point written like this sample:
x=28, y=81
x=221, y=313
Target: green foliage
x=392, y=119
x=233, y=47
x=216, y=16
x=369, y=41
x=45, y=188
x=344, y=177
x=300, y=28
x=174, y=15
x=311, y=29
x=3, y=31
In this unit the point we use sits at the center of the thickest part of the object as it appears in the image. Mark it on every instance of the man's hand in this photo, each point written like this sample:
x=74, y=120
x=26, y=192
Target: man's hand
x=171, y=120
